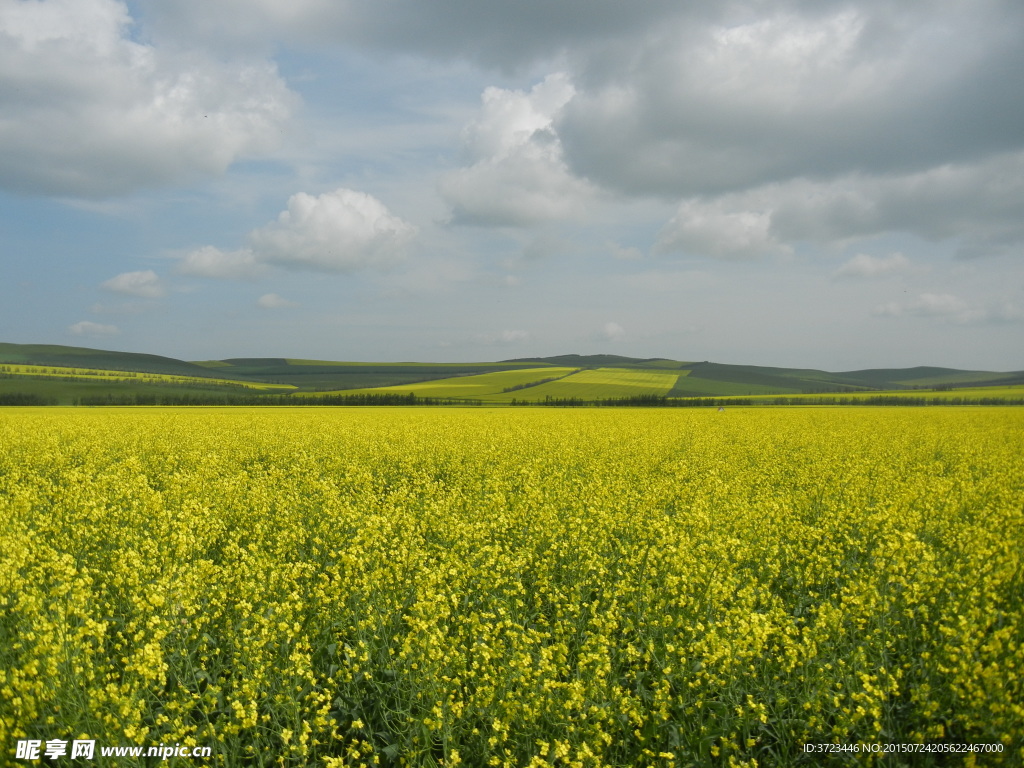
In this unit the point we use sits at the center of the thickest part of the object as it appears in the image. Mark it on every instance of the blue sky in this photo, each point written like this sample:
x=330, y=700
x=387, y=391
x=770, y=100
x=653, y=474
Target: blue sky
x=832, y=185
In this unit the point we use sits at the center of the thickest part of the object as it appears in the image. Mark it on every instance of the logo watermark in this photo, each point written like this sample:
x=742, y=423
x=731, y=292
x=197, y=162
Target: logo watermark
x=86, y=749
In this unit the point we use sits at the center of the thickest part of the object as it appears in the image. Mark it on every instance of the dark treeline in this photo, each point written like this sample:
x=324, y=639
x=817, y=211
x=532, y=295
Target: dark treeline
x=527, y=385
x=388, y=398
x=25, y=398
x=557, y=402
x=660, y=401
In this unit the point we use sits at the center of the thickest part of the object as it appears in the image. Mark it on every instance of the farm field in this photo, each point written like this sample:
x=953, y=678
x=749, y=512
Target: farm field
x=78, y=375
x=599, y=384
x=1010, y=394
x=102, y=375
x=498, y=586
x=540, y=384
x=483, y=386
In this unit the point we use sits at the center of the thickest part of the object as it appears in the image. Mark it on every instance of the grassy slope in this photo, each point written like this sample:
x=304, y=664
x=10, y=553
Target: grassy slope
x=489, y=386
x=325, y=376
x=1009, y=393
x=603, y=361
x=587, y=384
x=599, y=384
x=603, y=376
x=139, y=377
x=68, y=392
x=81, y=357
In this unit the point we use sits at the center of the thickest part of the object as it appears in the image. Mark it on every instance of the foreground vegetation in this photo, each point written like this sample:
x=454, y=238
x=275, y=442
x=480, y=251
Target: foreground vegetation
x=515, y=587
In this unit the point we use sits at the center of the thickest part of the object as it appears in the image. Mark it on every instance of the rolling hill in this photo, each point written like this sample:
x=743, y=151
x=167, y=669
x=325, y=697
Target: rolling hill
x=70, y=375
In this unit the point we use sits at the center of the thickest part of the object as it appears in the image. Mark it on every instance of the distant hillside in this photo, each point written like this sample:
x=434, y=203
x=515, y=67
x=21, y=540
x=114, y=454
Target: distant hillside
x=585, y=378
x=924, y=376
x=320, y=375
x=602, y=361
x=82, y=357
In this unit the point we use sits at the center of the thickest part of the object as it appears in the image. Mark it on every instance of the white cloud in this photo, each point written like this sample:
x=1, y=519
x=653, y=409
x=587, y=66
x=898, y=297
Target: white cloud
x=517, y=174
x=710, y=102
x=954, y=309
x=506, y=337
x=626, y=253
x=868, y=266
x=613, y=331
x=710, y=229
x=89, y=328
x=273, y=301
x=972, y=204
x=511, y=337
x=90, y=112
x=209, y=261
x=145, y=284
x=339, y=231
x=937, y=305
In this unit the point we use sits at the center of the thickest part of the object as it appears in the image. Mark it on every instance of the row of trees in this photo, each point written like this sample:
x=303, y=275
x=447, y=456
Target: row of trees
x=25, y=398
x=387, y=398
x=391, y=399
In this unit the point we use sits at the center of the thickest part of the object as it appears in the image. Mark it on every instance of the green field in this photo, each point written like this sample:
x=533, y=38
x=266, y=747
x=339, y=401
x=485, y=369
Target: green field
x=101, y=375
x=326, y=376
x=46, y=374
x=599, y=384
x=1008, y=393
x=568, y=384
x=484, y=386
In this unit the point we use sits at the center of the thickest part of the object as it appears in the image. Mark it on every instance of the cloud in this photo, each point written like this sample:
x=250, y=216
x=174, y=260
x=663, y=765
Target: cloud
x=517, y=175
x=613, y=331
x=954, y=309
x=144, y=284
x=972, y=204
x=89, y=328
x=712, y=229
x=625, y=253
x=867, y=266
x=508, y=36
x=273, y=301
x=770, y=123
x=757, y=93
x=339, y=231
x=88, y=111
x=506, y=337
x=937, y=305
x=209, y=261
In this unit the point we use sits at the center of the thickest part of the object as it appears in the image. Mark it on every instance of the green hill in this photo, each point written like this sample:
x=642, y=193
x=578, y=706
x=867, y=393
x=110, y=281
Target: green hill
x=64, y=374
x=601, y=361
x=81, y=357
x=325, y=375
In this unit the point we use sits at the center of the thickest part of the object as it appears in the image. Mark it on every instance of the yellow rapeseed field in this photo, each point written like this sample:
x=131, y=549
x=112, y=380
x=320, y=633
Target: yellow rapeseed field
x=515, y=587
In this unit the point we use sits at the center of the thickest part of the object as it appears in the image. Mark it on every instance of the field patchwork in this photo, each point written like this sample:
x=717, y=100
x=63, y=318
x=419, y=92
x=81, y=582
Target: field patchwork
x=104, y=375
x=483, y=386
x=600, y=384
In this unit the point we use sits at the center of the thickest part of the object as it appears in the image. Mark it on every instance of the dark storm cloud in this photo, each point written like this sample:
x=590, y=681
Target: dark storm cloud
x=790, y=95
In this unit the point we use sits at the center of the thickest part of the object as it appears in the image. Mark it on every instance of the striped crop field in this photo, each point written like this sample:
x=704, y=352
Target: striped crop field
x=599, y=384
x=509, y=587
x=483, y=386
x=102, y=375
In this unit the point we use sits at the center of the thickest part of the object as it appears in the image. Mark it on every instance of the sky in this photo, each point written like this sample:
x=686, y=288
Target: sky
x=834, y=185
